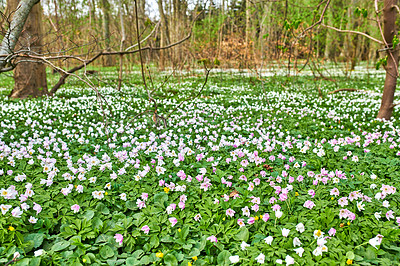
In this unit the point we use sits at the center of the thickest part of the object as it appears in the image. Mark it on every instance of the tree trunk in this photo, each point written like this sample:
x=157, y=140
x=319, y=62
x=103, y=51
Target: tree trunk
x=30, y=77
x=248, y=22
x=164, y=37
x=16, y=25
x=389, y=30
x=106, y=32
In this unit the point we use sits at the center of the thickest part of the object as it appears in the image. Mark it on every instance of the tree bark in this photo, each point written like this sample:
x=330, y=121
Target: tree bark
x=30, y=77
x=389, y=30
x=164, y=38
x=108, y=60
x=16, y=25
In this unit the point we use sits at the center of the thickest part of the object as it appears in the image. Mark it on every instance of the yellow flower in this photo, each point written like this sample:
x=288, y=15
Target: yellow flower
x=159, y=254
x=11, y=228
x=106, y=193
x=348, y=223
x=223, y=219
x=194, y=258
x=189, y=264
x=332, y=198
x=84, y=260
x=296, y=193
x=179, y=230
x=166, y=190
x=349, y=261
x=256, y=218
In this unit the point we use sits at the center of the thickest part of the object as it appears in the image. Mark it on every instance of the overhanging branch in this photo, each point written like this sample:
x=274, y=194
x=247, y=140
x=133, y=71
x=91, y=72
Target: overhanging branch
x=353, y=32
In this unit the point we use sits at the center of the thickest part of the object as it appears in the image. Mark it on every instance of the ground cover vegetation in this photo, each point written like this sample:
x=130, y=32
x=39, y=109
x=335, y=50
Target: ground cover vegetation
x=252, y=171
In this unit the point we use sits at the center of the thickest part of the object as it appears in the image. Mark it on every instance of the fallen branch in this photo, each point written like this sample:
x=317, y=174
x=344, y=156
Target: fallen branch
x=347, y=89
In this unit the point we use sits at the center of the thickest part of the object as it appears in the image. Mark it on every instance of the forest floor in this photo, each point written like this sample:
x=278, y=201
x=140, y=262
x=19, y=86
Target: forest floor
x=274, y=171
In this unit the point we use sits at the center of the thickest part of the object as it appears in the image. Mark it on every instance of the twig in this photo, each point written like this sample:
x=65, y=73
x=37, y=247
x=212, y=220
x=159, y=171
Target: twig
x=321, y=18
x=346, y=89
x=354, y=32
x=191, y=98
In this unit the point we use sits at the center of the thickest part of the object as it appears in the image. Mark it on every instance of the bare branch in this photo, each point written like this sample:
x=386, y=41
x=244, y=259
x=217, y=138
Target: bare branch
x=145, y=39
x=354, y=32
x=321, y=18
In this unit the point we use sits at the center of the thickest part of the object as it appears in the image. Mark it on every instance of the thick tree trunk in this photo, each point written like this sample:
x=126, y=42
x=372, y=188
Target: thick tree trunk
x=389, y=30
x=30, y=77
x=16, y=25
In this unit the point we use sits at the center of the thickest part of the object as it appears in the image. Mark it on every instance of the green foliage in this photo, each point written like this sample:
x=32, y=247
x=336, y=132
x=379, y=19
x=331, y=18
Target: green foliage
x=236, y=104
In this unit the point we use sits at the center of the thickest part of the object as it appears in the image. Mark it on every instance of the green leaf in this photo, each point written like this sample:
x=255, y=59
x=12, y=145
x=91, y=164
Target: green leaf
x=34, y=261
x=145, y=260
x=102, y=208
x=194, y=252
x=350, y=255
x=160, y=198
x=223, y=258
x=131, y=205
x=88, y=215
x=154, y=241
x=37, y=239
x=170, y=260
x=243, y=234
x=23, y=262
x=60, y=245
x=106, y=252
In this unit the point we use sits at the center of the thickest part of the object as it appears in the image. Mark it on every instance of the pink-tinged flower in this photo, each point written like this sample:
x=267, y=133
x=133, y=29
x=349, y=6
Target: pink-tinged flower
x=257, y=181
x=240, y=222
x=272, y=200
x=276, y=207
x=309, y=204
x=141, y=204
x=145, y=196
x=161, y=183
x=75, y=208
x=197, y=217
x=181, y=174
x=181, y=205
x=24, y=206
x=251, y=220
x=265, y=217
x=16, y=212
x=389, y=215
x=183, y=198
x=398, y=220
x=255, y=207
x=212, y=239
x=251, y=186
x=300, y=178
x=343, y=201
x=332, y=231
x=145, y=229
x=230, y=212
x=119, y=238
x=173, y=221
